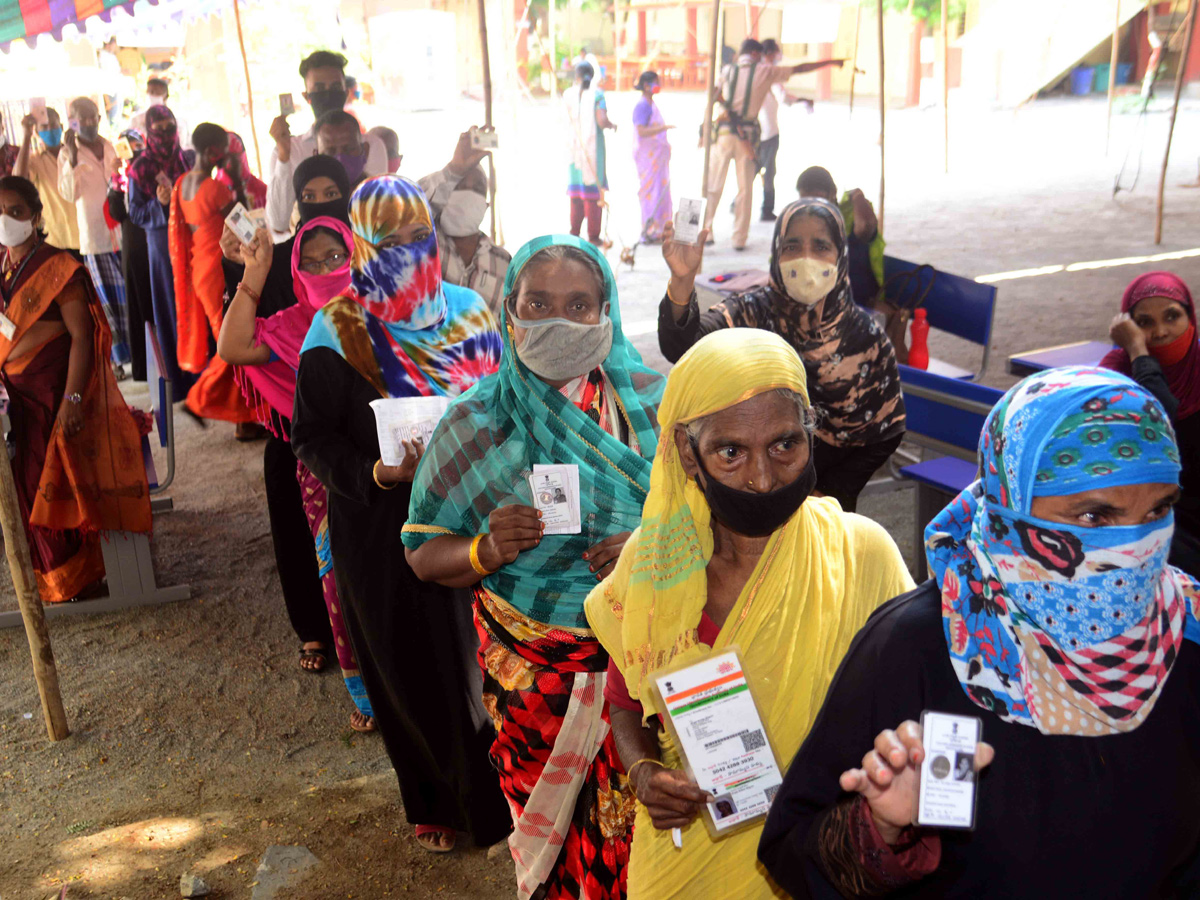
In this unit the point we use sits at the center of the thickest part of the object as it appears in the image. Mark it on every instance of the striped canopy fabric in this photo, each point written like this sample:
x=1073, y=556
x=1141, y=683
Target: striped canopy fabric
x=30, y=18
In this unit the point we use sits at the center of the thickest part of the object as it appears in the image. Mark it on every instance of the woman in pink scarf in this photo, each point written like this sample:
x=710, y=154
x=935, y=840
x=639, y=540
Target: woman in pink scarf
x=267, y=354
x=235, y=174
x=1155, y=334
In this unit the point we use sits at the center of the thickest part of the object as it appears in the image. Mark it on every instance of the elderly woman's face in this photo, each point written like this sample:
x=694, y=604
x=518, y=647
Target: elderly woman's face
x=558, y=289
x=759, y=445
x=1131, y=504
x=808, y=236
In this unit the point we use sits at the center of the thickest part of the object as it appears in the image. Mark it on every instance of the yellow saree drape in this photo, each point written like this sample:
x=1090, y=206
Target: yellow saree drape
x=822, y=574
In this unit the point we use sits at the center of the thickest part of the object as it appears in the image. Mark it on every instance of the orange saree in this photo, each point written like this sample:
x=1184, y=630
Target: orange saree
x=194, y=236
x=69, y=489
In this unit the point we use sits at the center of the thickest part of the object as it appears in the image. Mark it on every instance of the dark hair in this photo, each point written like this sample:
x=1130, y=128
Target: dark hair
x=159, y=83
x=816, y=181
x=770, y=47
x=322, y=59
x=646, y=78
x=336, y=118
x=324, y=229
x=26, y=189
x=585, y=73
x=206, y=136
x=750, y=45
x=391, y=140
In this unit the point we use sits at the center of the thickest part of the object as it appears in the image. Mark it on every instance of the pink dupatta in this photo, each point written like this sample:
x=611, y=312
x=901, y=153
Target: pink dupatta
x=272, y=385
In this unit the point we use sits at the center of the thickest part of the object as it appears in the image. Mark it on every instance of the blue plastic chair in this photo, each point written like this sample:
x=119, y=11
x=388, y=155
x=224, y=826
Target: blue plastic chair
x=945, y=415
x=955, y=305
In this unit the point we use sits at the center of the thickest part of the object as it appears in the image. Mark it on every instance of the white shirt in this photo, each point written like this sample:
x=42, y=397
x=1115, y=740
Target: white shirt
x=86, y=185
x=280, y=195
x=768, y=116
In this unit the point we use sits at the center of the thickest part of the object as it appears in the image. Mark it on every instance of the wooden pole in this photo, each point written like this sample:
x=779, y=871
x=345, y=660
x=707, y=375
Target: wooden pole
x=20, y=564
x=946, y=83
x=616, y=44
x=1112, y=76
x=1184, y=52
x=550, y=34
x=712, y=83
x=854, y=60
x=883, y=114
x=237, y=17
x=486, y=61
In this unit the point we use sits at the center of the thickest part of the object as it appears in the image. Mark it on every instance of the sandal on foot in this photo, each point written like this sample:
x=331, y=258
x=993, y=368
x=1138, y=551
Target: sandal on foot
x=435, y=831
x=317, y=656
x=361, y=722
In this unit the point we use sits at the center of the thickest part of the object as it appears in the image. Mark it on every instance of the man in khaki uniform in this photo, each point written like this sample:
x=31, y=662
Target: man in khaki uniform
x=743, y=87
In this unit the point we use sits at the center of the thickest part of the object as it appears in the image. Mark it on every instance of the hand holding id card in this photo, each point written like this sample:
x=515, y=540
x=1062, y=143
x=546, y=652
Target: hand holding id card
x=689, y=220
x=947, y=796
x=556, y=496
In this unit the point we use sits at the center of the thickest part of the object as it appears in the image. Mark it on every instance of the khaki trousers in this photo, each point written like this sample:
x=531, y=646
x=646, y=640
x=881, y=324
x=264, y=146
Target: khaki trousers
x=729, y=148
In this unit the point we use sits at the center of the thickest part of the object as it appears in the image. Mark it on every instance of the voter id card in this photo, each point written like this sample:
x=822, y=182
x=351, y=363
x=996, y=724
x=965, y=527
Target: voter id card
x=484, y=140
x=948, y=778
x=240, y=223
x=712, y=718
x=556, y=495
x=287, y=105
x=689, y=220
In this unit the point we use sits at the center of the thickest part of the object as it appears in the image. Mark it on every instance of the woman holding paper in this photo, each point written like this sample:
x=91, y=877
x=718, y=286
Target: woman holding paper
x=851, y=364
x=400, y=332
x=1053, y=617
x=571, y=394
x=732, y=551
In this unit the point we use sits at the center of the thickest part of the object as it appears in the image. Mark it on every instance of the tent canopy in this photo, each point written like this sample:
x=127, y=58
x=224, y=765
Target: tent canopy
x=154, y=20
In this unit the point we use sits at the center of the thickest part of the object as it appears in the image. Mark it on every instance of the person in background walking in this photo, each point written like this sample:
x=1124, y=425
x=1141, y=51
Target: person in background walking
x=587, y=178
x=40, y=166
x=768, y=120
x=458, y=196
x=84, y=170
x=743, y=87
x=653, y=158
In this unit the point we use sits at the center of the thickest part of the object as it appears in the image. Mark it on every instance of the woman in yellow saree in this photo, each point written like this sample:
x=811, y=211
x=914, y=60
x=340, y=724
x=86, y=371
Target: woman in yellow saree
x=732, y=551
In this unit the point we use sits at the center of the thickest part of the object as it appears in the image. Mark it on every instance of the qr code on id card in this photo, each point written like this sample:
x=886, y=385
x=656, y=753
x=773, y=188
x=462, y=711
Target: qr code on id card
x=752, y=740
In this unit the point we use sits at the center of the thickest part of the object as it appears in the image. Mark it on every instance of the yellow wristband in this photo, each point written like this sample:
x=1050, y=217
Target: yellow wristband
x=375, y=475
x=475, y=563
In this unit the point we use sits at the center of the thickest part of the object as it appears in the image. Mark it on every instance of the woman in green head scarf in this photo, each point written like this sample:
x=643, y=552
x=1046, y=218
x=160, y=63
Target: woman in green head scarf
x=570, y=390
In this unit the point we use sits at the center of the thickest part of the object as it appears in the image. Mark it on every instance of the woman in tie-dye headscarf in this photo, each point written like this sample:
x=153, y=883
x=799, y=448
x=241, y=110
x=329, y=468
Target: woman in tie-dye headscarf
x=400, y=332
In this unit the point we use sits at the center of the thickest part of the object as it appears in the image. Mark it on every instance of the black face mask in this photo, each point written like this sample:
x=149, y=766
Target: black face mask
x=751, y=513
x=335, y=209
x=326, y=101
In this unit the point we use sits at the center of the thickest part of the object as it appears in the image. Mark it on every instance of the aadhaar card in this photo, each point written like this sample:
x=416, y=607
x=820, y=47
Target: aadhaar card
x=947, y=795
x=689, y=220
x=722, y=736
x=551, y=498
x=240, y=223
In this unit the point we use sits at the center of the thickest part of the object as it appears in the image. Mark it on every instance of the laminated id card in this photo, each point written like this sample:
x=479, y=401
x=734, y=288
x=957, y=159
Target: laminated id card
x=711, y=715
x=948, y=777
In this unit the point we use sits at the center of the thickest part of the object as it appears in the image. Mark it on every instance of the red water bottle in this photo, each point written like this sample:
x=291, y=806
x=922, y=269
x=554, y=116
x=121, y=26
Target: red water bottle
x=918, y=352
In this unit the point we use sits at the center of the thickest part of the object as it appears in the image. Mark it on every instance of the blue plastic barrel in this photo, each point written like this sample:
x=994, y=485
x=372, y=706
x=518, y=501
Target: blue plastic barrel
x=1124, y=72
x=1081, y=80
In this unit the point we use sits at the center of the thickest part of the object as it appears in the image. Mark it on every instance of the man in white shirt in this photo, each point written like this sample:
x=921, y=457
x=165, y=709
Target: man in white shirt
x=741, y=92
x=768, y=120
x=324, y=75
x=85, y=166
x=158, y=92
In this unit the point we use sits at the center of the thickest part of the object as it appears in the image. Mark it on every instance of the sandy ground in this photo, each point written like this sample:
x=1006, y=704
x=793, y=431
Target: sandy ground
x=197, y=742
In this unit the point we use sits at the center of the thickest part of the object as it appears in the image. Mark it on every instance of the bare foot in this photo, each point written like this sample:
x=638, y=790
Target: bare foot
x=436, y=839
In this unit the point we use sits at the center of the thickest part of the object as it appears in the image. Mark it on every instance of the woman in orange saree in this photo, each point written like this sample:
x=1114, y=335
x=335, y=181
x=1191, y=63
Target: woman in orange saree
x=199, y=204
x=77, y=458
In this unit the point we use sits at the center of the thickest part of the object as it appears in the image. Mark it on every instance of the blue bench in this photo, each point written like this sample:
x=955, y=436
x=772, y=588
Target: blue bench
x=945, y=415
x=955, y=305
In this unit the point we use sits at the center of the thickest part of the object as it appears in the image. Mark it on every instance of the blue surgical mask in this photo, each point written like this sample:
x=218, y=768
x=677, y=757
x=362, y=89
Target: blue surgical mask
x=51, y=137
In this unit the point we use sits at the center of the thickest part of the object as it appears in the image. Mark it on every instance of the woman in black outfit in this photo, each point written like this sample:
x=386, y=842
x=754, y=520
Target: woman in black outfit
x=135, y=265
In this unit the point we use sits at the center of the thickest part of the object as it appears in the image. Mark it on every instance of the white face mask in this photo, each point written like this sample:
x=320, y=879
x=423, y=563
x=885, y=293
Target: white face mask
x=14, y=232
x=808, y=281
x=155, y=100
x=463, y=213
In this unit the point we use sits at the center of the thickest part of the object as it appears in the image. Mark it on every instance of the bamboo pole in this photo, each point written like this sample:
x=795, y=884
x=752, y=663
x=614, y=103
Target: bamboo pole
x=237, y=17
x=1183, y=58
x=854, y=60
x=486, y=61
x=946, y=83
x=883, y=114
x=712, y=84
x=20, y=564
x=1112, y=77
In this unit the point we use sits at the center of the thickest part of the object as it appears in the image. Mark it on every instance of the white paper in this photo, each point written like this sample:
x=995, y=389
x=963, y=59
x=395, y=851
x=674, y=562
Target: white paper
x=947, y=795
x=555, y=490
x=722, y=737
x=240, y=223
x=689, y=220
x=404, y=419
x=7, y=326
x=484, y=140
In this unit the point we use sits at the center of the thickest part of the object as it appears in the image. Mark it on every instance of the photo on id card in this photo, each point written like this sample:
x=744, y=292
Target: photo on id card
x=550, y=498
x=711, y=714
x=948, y=793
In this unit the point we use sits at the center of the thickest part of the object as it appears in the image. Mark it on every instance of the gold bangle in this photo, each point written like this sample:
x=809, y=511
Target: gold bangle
x=686, y=304
x=475, y=563
x=629, y=774
x=375, y=475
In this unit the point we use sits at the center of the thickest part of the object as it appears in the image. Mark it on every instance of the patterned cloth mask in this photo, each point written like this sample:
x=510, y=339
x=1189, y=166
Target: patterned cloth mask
x=1069, y=629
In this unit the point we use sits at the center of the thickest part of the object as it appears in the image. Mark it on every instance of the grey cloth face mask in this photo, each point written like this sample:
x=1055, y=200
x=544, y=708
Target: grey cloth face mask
x=559, y=349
